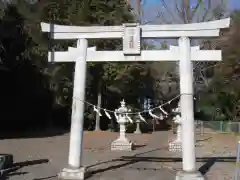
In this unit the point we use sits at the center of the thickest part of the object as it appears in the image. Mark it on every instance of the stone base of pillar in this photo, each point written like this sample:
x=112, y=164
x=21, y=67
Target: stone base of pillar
x=175, y=146
x=182, y=175
x=73, y=174
x=122, y=145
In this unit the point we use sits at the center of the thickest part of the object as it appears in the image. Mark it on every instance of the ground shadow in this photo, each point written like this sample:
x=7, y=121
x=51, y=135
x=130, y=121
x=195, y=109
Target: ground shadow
x=49, y=177
x=30, y=163
x=171, y=159
x=206, y=167
x=129, y=160
x=202, y=140
x=138, y=146
x=119, y=159
x=12, y=171
x=23, y=134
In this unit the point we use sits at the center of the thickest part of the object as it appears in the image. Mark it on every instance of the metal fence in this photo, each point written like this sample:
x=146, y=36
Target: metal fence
x=217, y=126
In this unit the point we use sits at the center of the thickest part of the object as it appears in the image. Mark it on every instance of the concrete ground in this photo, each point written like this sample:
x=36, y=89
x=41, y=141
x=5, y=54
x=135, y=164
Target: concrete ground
x=43, y=158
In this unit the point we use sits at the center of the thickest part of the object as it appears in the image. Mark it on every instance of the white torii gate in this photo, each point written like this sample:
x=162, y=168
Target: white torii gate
x=131, y=35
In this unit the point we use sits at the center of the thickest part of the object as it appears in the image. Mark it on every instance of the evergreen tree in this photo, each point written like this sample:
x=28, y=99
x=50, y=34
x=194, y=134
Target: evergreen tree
x=103, y=78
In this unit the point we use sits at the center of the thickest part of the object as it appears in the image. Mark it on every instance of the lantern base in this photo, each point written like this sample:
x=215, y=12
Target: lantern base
x=175, y=146
x=122, y=144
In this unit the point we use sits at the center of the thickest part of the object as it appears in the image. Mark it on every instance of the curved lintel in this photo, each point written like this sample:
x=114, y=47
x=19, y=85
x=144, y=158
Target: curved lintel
x=211, y=25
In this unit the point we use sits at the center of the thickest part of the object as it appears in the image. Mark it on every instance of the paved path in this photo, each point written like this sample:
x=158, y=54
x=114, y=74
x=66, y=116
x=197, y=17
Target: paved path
x=43, y=158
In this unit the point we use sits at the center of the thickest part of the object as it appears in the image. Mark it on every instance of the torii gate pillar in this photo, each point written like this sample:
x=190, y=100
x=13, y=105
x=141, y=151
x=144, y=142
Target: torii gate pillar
x=187, y=113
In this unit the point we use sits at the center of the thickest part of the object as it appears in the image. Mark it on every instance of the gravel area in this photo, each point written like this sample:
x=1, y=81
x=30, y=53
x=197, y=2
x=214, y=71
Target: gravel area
x=42, y=158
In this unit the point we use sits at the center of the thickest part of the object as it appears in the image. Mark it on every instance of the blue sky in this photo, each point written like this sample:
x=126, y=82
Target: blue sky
x=234, y=4
x=152, y=7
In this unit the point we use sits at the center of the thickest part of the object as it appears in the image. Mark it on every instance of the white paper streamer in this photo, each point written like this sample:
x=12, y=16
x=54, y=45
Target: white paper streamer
x=107, y=114
x=116, y=116
x=153, y=115
x=142, y=118
x=97, y=111
x=160, y=107
x=161, y=117
x=130, y=120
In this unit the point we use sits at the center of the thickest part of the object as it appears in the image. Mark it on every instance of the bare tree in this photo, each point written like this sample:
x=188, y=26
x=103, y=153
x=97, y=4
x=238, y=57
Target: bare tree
x=187, y=11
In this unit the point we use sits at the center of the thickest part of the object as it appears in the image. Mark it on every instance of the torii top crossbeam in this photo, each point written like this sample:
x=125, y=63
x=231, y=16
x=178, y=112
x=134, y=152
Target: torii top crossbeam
x=204, y=29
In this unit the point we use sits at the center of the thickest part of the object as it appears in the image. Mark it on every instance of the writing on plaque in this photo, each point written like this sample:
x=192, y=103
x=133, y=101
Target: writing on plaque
x=131, y=39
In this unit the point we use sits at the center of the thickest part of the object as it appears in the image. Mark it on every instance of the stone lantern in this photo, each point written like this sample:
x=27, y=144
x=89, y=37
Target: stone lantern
x=176, y=145
x=138, y=129
x=122, y=143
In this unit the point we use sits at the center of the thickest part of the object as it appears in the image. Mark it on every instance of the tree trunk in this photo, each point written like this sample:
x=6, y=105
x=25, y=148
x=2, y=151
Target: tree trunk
x=99, y=103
